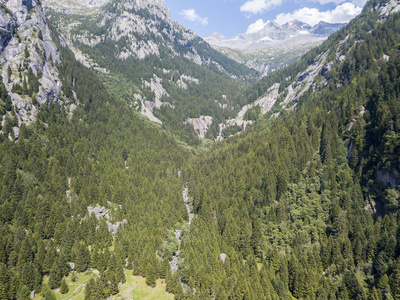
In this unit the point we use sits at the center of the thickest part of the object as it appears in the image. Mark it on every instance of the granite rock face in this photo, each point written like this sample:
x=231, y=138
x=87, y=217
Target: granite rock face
x=7, y=25
x=26, y=47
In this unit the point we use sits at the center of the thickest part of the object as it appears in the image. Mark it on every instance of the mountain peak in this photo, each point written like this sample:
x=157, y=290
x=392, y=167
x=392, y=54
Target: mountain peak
x=216, y=36
x=296, y=25
x=155, y=7
x=272, y=24
x=268, y=44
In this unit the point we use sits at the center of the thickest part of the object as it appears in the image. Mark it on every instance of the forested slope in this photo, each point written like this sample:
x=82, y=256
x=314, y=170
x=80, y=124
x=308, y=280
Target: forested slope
x=306, y=206
x=302, y=206
x=104, y=154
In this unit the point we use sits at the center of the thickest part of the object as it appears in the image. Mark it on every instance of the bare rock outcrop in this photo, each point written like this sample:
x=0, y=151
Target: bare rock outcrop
x=101, y=212
x=27, y=55
x=200, y=125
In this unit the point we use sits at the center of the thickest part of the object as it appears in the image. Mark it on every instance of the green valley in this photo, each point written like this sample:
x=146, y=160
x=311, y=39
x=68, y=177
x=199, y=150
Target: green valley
x=123, y=175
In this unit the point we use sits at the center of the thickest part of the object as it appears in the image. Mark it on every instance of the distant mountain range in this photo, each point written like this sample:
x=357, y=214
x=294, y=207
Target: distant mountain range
x=274, y=46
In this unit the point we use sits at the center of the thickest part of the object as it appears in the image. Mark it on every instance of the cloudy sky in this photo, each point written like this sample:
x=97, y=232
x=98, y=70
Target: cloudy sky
x=231, y=17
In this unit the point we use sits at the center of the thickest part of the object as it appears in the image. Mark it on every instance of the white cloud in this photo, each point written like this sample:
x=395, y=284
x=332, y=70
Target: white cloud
x=355, y=2
x=329, y=1
x=312, y=16
x=259, y=6
x=256, y=26
x=191, y=15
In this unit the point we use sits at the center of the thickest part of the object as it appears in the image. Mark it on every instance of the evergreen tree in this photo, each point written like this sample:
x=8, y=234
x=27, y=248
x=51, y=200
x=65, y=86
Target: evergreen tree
x=395, y=282
x=169, y=281
x=58, y=271
x=90, y=286
x=49, y=295
x=81, y=257
x=113, y=285
x=64, y=289
x=5, y=283
x=178, y=289
x=150, y=275
x=24, y=293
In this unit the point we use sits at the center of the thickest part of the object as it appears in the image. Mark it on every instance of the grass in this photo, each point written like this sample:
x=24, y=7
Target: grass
x=76, y=289
x=134, y=288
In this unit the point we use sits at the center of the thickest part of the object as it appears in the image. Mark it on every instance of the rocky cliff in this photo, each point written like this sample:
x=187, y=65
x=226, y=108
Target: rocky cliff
x=139, y=28
x=28, y=58
x=156, y=65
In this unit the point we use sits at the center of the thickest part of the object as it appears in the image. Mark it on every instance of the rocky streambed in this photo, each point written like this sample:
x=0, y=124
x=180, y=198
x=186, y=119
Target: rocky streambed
x=178, y=232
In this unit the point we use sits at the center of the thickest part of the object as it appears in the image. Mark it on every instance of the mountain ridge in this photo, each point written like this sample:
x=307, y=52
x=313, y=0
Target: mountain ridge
x=273, y=46
x=163, y=65
x=304, y=204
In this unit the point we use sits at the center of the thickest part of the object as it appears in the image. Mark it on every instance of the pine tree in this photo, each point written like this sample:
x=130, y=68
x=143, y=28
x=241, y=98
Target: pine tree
x=64, y=289
x=339, y=221
x=374, y=294
x=58, y=271
x=28, y=275
x=358, y=252
x=49, y=258
x=170, y=284
x=383, y=286
x=353, y=287
x=256, y=238
x=94, y=260
x=150, y=275
x=165, y=266
x=4, y=282
x=326, y=140
x=9, y=73
x=178, y=286
x=24, y=293
x=82, y=257
x=395, y=283
x=89, y=288
x=114, y=285
x=281, y=182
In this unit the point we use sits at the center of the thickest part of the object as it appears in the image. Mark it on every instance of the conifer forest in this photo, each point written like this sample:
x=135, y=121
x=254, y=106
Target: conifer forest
x=99, y=201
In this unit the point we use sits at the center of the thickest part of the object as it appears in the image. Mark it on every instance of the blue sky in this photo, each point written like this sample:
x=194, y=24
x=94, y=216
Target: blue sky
x=231, y=17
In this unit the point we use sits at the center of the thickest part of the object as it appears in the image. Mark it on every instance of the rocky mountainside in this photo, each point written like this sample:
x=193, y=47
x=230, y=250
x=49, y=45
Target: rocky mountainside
x=274, y=46
x=282, y=91
x=304, y=206
x=28, y=59
x=167, y=72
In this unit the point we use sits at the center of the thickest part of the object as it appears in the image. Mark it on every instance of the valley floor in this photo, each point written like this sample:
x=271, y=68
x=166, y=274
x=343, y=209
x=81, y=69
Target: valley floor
x=135, y=287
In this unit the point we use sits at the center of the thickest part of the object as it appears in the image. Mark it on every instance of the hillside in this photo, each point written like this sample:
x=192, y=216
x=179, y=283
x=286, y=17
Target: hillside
x=28, y=60
x=77, y=187
x=162, y=69
x=104, y=157
x=305, y=206
x=97, y=201
x=281, y=91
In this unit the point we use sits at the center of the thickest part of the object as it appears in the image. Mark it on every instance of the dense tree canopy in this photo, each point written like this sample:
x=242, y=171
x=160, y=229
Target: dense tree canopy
x=303, y=206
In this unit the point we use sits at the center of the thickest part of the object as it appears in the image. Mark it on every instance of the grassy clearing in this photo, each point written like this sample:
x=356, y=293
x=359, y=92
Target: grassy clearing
x=134, y=288
x=76, y=289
